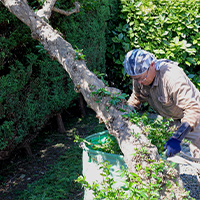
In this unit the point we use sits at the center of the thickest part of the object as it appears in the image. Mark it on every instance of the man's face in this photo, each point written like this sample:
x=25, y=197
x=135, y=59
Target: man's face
x=147, y=77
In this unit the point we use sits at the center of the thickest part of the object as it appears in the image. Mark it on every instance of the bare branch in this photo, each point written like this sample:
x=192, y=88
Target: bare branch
x=48, y=6
x=46, y=9
x=67, y=13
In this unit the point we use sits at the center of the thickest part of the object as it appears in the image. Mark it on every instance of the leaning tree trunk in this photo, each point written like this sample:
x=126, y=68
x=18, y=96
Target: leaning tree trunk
x=87, y=83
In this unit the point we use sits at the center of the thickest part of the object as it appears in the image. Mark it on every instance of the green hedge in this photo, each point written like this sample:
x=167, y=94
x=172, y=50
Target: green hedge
x=169, y=29
x=86, y=29
x=29, y=97
x=33, y=88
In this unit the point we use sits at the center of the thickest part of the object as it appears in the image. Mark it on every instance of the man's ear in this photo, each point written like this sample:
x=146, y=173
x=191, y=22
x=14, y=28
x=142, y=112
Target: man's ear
x=152, y=64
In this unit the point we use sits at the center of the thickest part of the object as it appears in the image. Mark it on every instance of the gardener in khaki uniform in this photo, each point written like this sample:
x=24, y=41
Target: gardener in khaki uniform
x=169, y=92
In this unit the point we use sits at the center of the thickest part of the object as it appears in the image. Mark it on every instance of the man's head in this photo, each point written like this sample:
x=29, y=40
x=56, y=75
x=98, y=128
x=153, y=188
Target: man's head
x=139, y=65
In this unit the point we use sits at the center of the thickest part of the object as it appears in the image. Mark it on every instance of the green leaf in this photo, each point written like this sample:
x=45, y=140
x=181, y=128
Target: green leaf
x=191, y=60
x=191, y=51
x=190, y=26
x=186, y=62
x=165, y=33
x=191, y=76
x=118, y=62
x=195, y=41
x=159, y=51
x=120, y=36
x=125, y=46
x=125, y=27
x=131, y=23
x=115, y=39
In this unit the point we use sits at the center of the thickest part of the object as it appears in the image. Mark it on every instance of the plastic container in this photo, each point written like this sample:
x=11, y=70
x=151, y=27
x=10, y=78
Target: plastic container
x=92, y=159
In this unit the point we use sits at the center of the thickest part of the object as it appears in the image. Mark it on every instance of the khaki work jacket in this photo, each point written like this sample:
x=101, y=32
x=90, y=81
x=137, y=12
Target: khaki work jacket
x=172, y=95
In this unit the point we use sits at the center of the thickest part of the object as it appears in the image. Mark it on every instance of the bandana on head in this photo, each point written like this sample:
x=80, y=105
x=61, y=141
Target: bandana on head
x=138, y=61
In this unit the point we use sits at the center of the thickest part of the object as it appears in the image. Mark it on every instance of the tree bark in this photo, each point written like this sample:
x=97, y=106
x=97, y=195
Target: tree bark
x=85, y=82
x=81, y=105
x=61, y=128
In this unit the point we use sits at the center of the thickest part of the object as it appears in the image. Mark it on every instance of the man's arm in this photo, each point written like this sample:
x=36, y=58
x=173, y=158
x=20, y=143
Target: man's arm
x=187, y=97
x=134, y=100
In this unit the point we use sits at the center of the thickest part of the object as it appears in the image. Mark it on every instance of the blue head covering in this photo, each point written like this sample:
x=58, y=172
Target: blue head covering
x=137, y=61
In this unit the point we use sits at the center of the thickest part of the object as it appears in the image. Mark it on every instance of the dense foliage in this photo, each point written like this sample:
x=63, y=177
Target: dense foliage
x=33, y=88
x=169, y=29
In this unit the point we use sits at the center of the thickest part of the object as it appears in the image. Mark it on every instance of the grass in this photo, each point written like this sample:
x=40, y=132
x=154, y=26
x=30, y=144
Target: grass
x=59, y=181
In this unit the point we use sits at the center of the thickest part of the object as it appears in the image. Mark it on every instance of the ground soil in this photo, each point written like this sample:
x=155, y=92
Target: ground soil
x=21, y=169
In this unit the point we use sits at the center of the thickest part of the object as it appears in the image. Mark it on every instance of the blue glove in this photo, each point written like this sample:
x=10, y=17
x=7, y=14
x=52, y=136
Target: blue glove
x=173, y=146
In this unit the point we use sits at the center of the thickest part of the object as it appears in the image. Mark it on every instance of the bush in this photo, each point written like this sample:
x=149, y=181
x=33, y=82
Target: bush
x=86, y=29
x=169, y=29
x=30, y=95
x=33, y=88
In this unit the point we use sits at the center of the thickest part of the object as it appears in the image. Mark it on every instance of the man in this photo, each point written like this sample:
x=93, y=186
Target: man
x=168, y=91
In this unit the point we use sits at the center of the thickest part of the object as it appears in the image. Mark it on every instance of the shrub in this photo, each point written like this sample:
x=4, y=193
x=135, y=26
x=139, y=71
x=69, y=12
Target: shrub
x=34, y=88
x=169, y=29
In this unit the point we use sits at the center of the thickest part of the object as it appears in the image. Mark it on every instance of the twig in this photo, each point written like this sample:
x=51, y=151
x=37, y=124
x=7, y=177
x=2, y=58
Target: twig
x=67, y=13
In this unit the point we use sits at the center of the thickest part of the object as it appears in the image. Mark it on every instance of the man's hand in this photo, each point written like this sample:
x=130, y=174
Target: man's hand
x=173, y=146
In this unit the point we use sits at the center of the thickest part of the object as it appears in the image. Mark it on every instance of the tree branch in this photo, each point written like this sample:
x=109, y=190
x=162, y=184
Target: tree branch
x=46, y=9
x=49, y=6
x=67, y=13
